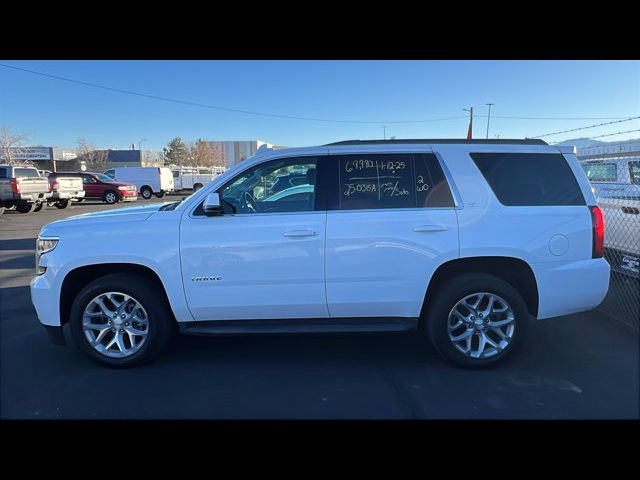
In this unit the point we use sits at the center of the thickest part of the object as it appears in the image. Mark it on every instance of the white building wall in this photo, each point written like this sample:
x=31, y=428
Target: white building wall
x=236, y=151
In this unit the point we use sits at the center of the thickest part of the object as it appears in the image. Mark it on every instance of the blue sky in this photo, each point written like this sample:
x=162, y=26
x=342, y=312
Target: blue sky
x=56, y=113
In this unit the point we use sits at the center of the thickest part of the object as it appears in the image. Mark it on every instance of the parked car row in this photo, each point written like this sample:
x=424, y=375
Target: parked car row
x=27, y=189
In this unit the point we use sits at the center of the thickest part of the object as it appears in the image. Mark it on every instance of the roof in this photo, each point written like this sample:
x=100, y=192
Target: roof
x=499, y=141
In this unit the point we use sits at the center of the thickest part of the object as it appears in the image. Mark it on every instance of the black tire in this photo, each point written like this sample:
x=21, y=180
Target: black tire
x=39, y=207
x=161, y=323
x=445, y=298
x=197, y=187
x=26, y=207
x=160, y=194
x=110, y=197
x=62, y=204
x=146, y=193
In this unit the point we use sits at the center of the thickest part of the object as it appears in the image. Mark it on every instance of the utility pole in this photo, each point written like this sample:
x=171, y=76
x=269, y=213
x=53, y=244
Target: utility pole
x=140, y=142
x=384, y=136
x=470, y=131
x=489, y=117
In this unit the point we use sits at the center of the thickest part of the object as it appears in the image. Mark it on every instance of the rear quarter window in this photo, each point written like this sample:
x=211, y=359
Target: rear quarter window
x=530, y=179
x=3, y=172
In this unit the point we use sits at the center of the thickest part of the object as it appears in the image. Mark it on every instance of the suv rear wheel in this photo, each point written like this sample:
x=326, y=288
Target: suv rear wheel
x=118, y=320
x=160, y=194
x=62, y=204
x=476, y=320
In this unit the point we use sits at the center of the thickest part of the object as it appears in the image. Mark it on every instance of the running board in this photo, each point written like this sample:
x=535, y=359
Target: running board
x=304, y=325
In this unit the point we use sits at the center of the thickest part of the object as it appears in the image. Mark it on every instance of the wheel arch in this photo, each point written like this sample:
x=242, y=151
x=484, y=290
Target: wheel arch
x=512, y=270
x=79, y=277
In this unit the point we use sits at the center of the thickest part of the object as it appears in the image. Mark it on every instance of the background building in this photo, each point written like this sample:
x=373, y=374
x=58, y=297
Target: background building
x=44, y=158
x=236, y=151
x=134, y=158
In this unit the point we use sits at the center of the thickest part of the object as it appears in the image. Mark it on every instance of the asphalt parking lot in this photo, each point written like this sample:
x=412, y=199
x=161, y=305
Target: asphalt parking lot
x=577, y=367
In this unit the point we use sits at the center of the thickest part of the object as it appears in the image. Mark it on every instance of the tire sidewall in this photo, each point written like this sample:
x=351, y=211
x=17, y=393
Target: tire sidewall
x=146, y=193
x=137, y=287
x=455, y=290
x=62, y=204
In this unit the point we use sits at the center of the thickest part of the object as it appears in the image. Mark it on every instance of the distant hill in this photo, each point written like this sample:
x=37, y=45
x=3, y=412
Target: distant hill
x=590, y=147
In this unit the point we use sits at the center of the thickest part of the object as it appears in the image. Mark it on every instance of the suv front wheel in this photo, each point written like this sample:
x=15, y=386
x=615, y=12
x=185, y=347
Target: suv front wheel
x=476, y=320
x=120, y=320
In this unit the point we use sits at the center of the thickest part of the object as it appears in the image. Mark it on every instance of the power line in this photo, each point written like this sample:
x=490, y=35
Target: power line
x=585, y=128
x=617, y=133
x=274, y=115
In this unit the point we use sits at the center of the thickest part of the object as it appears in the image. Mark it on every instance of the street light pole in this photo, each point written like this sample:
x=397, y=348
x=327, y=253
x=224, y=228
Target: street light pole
x=489, y=117
x=384, y=136
x=140, y=143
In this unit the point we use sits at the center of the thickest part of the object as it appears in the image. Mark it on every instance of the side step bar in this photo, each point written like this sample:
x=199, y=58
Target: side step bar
x=304, y=325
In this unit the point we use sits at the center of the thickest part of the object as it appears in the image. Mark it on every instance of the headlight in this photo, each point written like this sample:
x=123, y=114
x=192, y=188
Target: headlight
x=46, y=244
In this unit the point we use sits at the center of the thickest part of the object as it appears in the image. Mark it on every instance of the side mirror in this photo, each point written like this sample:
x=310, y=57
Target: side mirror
x=212, y=206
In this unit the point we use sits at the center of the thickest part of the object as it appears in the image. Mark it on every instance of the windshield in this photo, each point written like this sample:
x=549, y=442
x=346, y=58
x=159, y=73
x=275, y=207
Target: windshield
x=103, y=178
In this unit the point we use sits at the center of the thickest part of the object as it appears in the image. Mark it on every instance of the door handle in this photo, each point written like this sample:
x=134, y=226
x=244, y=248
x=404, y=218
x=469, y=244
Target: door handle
x=430, y=228
x=300, y=233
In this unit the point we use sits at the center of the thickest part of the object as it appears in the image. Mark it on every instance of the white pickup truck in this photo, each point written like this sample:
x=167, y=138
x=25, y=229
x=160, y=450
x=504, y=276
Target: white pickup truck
x=22, y=188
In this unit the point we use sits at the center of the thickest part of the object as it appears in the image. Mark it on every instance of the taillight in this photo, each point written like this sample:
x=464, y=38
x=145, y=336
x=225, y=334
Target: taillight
x=55, y=185
x=14, y=186
x=597, y=221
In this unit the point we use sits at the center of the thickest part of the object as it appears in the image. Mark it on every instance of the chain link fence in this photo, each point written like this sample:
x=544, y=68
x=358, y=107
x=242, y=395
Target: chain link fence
x=616, y=184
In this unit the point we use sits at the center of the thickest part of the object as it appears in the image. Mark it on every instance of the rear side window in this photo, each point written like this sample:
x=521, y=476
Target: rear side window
x=600, y=172
x=3, y=173
x=26, y=172
x=382, y=181
x=527, y=179
x=634, y=172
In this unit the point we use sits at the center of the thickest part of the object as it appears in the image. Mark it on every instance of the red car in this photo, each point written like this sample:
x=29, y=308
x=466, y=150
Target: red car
x=98, y=185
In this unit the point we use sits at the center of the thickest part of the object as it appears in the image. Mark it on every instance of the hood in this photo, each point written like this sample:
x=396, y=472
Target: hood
x=130, y=214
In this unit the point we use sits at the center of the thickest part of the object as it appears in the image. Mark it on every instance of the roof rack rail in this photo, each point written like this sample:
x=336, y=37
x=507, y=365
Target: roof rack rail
x=499, y=141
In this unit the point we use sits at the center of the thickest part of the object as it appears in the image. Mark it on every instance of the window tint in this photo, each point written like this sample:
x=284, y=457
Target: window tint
x=634, y=172
x=252, y=191
x=86, y=178
x=600, y=172
x=26, y=172
x=3, y=173
x=524, y=179
x=390, y=181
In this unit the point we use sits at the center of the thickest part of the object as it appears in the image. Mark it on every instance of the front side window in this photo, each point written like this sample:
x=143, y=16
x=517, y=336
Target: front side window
x=110, y=173
x=381, y=181
x=252, y=191
x=600, y=172
x=634, y=172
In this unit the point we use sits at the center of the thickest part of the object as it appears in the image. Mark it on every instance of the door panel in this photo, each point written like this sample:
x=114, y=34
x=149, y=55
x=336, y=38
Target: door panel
x=377, y=264
x=262, y=259
x=391, y=223
x=248, y=267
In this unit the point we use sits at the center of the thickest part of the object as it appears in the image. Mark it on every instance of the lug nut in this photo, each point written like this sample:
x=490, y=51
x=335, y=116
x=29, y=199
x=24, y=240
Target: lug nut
x=115, y=315
x=113, y=329
x=480, y=315
x=126, y=324
x=471, y=317
x=110, y=322
x=121, y=330
x=123, y=316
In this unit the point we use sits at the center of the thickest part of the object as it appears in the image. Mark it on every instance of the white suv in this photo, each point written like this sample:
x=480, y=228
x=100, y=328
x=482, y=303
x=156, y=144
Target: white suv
x=465, y=241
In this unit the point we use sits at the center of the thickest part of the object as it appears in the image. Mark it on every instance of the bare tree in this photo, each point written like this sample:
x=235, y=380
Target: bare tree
x=96, y=160
x=12, y=145
x=205, y=154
